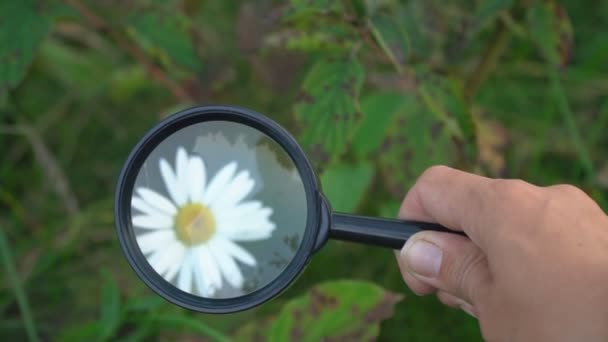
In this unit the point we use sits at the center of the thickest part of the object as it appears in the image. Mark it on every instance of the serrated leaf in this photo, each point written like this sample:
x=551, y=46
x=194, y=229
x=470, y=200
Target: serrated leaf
x=110, y=308
x=340, y=310
x=23, y=26
x=88, y=71
x=378, y=109
x=345, y=185
x=328, y=111
x=167, y=38
x=444, y=98
x=551, y=30
x=416, y=140
x=325, y=38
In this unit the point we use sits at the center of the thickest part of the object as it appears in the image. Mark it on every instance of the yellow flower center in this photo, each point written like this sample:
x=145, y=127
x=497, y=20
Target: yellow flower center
x=194, y=224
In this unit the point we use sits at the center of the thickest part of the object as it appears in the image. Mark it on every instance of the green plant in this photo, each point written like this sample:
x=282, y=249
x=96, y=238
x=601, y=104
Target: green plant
x=375, y=91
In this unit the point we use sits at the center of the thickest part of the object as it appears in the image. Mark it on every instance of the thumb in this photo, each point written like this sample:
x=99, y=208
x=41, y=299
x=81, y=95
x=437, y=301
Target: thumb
x=448, y=262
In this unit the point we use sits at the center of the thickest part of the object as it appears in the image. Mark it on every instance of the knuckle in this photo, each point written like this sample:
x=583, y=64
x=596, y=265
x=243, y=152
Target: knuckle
x=510, y=187
x=569, y=190
x=513, y=191
x=467, y=274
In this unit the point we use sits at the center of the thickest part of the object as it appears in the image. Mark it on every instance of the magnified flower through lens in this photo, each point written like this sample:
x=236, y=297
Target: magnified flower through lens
x=192, y=235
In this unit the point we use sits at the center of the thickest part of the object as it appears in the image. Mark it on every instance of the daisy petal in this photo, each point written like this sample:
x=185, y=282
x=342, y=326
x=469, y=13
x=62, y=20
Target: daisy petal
x=196, y=179
x=156, y=240
x=210, y=268
x=219, y=182
x=164, y=259
x=244, y=212
x=235, y=251
x=177, y=263
x=184, y=279
x=157, y=201
x=141, y=205
x=250, y=235
x=181, y=172
x=157, y=221
x=228, y=266
x=172, y=183
x=200, y=281
x=234, y=192
x=246, y=222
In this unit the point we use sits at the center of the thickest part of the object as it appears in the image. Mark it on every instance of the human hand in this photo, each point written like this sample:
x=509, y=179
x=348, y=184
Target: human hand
x=534, y=266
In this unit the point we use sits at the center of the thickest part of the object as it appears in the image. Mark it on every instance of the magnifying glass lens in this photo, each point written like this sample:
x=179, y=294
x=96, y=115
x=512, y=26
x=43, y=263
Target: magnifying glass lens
x=218, y=209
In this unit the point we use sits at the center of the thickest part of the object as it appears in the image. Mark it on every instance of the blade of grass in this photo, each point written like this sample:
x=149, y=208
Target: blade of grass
x=22, y=302
x=563, y=106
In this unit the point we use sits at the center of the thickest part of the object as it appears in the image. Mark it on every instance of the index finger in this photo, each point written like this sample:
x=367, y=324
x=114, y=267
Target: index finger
x=457, y=200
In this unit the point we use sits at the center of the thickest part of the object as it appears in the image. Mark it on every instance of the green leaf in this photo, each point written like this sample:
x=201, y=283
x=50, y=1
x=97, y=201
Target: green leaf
x=328, y=110
x=490, y=9
x=324, y=38
x=340, y=310
x=88, y=331
x=551, y=30
x=167, y=38
x=184, y=322
x=148, y=303
x=110, y=308
x=23, y=26
x=378, y=109
x=391, y=34
x=418, y=138
x=344, y=184
x=310, y=10
x=444, y=98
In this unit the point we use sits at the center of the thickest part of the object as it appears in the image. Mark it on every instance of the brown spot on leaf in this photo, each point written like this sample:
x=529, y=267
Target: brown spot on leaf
x=348, y=86
x=319, y=154
x=408, y=155
x=387, y=144
x=384, y=309
x=320, y=301
x=436, y=129
x=296, y=333
x=401, y=121
x=305, y=97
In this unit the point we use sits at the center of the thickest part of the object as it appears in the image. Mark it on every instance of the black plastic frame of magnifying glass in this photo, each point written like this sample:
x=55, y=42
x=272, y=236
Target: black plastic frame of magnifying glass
x=321, y=222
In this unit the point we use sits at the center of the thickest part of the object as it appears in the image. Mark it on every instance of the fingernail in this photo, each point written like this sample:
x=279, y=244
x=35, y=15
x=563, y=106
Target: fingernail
x=424, y=258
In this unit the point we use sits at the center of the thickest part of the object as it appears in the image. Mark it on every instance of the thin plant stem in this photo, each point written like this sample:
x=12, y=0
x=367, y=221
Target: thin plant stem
x=13, y=277
x=488, y=61
x=383, y=46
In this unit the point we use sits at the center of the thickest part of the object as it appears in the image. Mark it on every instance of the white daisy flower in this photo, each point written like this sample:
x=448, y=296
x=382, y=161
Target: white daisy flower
x=191, y=237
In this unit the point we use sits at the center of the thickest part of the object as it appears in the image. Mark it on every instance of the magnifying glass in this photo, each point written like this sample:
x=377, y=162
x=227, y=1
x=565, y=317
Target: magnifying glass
x=218, y=210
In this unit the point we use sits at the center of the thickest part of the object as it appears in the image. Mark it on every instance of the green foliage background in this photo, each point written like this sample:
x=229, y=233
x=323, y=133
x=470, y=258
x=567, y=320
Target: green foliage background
x=375, y=90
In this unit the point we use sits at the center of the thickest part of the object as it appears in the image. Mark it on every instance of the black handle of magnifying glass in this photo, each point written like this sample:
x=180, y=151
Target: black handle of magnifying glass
x=382, y=232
